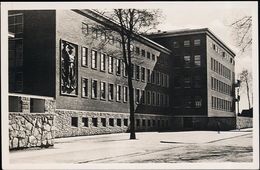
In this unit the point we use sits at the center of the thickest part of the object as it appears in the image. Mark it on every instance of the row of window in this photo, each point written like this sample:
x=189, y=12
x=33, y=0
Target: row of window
x=222, y=53
x=138, y=72
x=86, y=123
x=220, y=86
x=220, y=69
x=188, y=101
x=221, y=104
x=107, y=91
x=106, y=36
x=186, y=43
x=104, y=122
x=187, y=81
x=160, y=60
x=188, y=61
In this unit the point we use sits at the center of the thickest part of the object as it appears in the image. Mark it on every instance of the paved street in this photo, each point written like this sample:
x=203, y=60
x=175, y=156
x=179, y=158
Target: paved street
x=150, y=147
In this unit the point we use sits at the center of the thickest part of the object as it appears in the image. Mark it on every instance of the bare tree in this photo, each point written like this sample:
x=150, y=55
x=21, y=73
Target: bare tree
x=128, y=24
x=246, y=78
x=243, y=29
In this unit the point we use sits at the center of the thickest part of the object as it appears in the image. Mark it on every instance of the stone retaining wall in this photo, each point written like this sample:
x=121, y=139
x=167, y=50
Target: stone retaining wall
x=30, y=130
x=244, y=122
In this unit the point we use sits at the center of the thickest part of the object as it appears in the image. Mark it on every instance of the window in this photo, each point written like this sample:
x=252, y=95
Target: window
x=143, y=97
x=137, y=72
x=137, y=122
x=102, y=62
x=148, y=75
x=125, y=94
x=158, y=123
x=153, y=77
x=143, y=53
x=84, y=55
x=186, y=43
x=148, y=55
x=198, y=102
x=103, y=90
x=110, y=64
x=137, y=50
x=85, y=121
x=158, y=78
x=118, y=93
x=84, y=87
x=143, y=122
x=161, y=99
x=95, y=122
x=187, y=61
x=118, y=122
x=176, y=44
x=148, y=97
x=111, y=92
x=124, y=69
x=158, y=99
x=167, y=81
x=125, y=122
x=197, y=42
x=133, y=70
x=118, y=67
x=187, y=101
x=111, y=122
x=153, y=98
x=137, y=96
x=187, y=82
x=162, y=80
x=149, y=123
x=177, y=81
x=103, y=122
x=197, y=60
x=153, y=57
x=15, y=23
x=74, y=121
x=93, y=59
x=94, y=89
x=143, y=74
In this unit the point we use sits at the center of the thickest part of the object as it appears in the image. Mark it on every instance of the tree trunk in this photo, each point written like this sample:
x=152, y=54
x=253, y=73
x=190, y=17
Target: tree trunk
x=131, y=94
x=248, y=97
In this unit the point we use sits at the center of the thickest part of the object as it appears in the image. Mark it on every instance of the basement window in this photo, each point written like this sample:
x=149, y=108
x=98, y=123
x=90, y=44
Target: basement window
x=74, y=121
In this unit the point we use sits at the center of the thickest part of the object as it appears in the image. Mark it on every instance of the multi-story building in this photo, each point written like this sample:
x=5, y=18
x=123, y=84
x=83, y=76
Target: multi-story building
x=65, y=55
x=203, y=77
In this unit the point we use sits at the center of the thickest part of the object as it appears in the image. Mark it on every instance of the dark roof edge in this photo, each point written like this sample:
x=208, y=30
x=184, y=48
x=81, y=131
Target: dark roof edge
x=108, y=22
x=190, y=32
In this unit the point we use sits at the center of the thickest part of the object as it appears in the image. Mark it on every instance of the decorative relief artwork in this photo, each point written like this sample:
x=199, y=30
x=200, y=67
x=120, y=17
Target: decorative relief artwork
x=69, y=72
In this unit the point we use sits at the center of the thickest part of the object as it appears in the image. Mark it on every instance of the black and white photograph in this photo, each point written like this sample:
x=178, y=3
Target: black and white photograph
x=130, y=85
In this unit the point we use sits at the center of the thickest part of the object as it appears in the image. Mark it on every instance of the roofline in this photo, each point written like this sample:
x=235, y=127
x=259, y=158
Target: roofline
x=191, y=32
x=108, y=22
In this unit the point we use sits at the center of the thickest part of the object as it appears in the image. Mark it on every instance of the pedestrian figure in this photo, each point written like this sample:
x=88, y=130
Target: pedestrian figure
x=218, y=127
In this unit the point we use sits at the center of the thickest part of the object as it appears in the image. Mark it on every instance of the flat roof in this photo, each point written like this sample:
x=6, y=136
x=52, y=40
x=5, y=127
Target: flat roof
x=188, y=31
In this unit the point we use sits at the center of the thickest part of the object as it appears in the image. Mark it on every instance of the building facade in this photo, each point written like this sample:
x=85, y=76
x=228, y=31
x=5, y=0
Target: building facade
x=67, y=55
x=203, y=77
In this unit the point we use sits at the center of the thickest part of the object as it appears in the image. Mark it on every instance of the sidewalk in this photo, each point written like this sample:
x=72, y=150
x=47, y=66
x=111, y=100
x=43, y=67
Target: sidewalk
x=147, y=146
